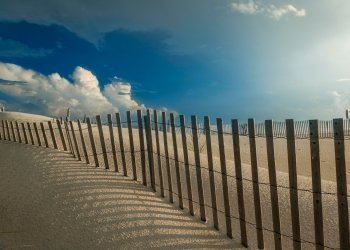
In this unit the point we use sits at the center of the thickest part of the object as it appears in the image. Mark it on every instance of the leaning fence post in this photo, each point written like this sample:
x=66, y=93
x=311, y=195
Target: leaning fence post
x=343, y=214
x=3, y=129
x=187, y=165
x=75, y=140
x=132, y=148
x=18, y=133
x=61, y=134
x=293, y=183
x=24, y=133
x=211, y=171
x=111, y=135
x=316, y=183
x=44, y=134
x=160, y=172
x=166, y=151
x=13, y=132
x=273, y=184
x=147, y=121
x=121, y=143
x=83, y=143
x=8, y=130
x=176, y=160
x=198, y=167
x=92, y=141
x=255, y=180
x=69, y=139
x=30, y=133
x=36, y=133
x=142, y=148
x=53, y=136
x=224, y=178
x=239, y=183
x=102, y=140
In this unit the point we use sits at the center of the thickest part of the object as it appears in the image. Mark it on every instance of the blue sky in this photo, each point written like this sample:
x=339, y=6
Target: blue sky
x=228, y=58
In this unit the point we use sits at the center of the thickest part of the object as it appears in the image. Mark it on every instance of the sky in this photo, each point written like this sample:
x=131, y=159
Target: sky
x=227, y=58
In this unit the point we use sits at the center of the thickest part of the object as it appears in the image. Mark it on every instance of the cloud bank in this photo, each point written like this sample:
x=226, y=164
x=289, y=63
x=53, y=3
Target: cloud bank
x=254, y=7
x=52, y=95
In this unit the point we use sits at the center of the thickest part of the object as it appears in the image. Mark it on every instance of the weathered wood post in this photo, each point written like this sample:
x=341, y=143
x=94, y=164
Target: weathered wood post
x=316, y=183
x=198, y=167
x=293, y=184
x=53, y=136
x=132, y=148
x=24, y=133
x=43, y=131
x=8, y=130
x=176, y=160
x=3, y=129
x=83, y=143
x=273, y=184
x=75, y=140
x=187, y=165
x=121, y=143
x=61, y=135
x=69, y=139
x=239, y=183
x=343, y=212
x=147, y=121
x=111, y=135
x=160, y=170
x=13, y=132
x=255, y=180
x=166, y=151
x=224, y=178
x=102, y=140
x=92, y=142
x=37, y=134
x=142, y=148
x=30, y=133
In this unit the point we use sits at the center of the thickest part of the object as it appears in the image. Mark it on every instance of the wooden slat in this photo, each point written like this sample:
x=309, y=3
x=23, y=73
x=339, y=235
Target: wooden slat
x=77, y=151
x=8, y=130
x=211, y=171
x=53, y=136
x=3, y=129
x=13, y=132
x=198, y=167
x=316, y=184
x=111, y=135
x=83, y=143
x=166, y=152
x=71, y=149
x=102, y=140
x=343, y=212
x=159, y=160
x=121, y=143
x=30, y=133
x=255, y=180
x=224, y=178
x=293, y=183
x=61, y=135
x=176, y=160
x=36, y=133
x=132, y=147
x=24, y=133
x=239, y=183
x=142, y=147
x=92, y=142
x=147, y=121
x=273, y=184
x=43, y=131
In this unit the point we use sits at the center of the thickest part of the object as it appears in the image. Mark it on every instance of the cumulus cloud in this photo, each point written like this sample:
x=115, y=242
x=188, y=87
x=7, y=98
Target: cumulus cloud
x=252, y=7
x=53, y=94
x=343, y=80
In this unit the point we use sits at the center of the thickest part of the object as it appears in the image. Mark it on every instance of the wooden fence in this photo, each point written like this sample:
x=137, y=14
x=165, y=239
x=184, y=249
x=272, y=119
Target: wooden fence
x=169, y=157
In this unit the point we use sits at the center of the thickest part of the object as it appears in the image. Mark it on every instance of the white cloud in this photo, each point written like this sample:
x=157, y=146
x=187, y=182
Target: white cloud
x=343, y=80
x=53, y=94
x=253, y=7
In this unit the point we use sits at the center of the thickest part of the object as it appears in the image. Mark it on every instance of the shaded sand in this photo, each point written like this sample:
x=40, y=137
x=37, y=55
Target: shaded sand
x=48, y=200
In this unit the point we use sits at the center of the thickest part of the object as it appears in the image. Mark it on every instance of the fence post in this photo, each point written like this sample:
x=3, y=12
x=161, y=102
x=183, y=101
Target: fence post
x=316, y=184
x=111, y=135
x=224, y=177
x=83, y=143
x=3, y=129
x=69, y=139
x=187, y=165
x=211, y=171
x=273, y=184
x=37, y=133
x=198, y=167
x=121, y=143
x=239, y=183
x=13, y=132
x=132, y=148
x=166, y=151
x=92, y=142
x=43, y=131
x=160, y=172
x=30, y=133
x=293, y=184
x=148, y=132
x=75, y=140
x=255, y=180
x=142, y=148
x=343, y=214
x=61, y=135
x=53, y=136
x=0, y=135
x=102, y=140
x=8, y=130
x=24, y=133
x=176, y=160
